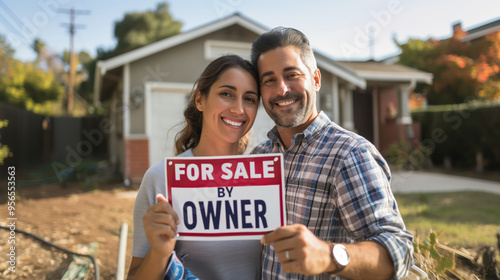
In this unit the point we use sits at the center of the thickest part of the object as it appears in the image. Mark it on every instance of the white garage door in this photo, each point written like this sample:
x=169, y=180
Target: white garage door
x=166, y=110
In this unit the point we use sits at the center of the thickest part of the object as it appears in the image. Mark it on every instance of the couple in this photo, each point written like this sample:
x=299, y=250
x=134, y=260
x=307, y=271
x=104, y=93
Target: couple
x=342, y=218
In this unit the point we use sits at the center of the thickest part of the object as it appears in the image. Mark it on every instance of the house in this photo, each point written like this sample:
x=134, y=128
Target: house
x=477, y=33
x=146, y=89
x=385, y=101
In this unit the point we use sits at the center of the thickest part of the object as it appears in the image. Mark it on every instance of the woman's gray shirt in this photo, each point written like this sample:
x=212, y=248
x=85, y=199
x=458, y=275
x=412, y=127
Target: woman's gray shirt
x=218, y=260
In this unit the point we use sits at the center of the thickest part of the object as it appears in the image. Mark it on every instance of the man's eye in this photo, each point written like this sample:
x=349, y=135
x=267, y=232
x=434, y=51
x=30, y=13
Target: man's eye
x=292, y=75
x=267, y=81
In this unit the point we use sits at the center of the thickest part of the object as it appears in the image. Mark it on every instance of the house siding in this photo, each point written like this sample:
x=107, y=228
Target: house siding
x=180, y=64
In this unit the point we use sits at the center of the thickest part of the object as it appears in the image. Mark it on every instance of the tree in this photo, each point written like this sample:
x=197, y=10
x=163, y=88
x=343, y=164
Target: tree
x=139, y=29
x=28, y=85
x=133, y=31
x=461, y=71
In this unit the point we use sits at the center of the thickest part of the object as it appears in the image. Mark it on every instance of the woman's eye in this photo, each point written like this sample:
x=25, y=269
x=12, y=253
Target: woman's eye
x=250, y=99
x=225, y=93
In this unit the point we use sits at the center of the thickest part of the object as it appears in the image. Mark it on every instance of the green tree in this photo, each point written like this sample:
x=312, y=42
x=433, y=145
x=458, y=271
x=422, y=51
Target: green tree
x=28, y=85
x=139, y=29
x=134, y=30
x=461, y=71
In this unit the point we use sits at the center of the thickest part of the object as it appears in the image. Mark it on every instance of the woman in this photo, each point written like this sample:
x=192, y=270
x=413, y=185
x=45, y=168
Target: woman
x=220, y=113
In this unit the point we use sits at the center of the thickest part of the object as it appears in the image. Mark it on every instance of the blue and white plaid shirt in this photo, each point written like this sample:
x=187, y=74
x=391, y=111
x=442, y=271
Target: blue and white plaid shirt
x=338, y=185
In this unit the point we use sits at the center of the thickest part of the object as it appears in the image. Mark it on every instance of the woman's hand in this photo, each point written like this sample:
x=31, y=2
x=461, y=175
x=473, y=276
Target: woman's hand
x=160, y=225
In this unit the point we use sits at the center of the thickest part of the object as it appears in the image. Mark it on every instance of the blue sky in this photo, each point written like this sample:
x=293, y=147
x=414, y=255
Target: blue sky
x=337, y=28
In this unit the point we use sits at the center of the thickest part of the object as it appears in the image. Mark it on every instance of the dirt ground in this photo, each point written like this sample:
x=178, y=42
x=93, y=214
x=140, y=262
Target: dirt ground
x=66, y=217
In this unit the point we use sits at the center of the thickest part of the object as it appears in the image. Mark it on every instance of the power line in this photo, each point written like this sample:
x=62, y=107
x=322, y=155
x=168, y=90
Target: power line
x=14, y=24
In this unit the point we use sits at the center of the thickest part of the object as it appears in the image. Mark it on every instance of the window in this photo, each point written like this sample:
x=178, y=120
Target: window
x=215, y=48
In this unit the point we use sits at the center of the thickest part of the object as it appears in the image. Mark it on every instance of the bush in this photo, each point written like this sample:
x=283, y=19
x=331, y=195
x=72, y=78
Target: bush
x=4, y=150
x=461, y=131
x=405, y=156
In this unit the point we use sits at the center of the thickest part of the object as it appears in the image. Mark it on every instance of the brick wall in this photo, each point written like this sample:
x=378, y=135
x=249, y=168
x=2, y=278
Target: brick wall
x=136, y=159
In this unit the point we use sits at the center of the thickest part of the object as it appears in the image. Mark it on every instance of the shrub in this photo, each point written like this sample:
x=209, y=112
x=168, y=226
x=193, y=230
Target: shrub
x=4, y=150
x=461, y=131
x=404, y=155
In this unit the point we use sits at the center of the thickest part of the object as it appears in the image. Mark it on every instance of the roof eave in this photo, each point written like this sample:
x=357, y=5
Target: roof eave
x=179, y=39
x=396, y=76
x=348, y=76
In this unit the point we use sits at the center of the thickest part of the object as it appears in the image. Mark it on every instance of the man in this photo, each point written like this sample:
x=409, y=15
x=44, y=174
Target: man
x=342, y=217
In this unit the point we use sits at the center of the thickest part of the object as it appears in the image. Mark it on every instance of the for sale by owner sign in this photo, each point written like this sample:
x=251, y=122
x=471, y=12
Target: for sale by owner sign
x=231, y=197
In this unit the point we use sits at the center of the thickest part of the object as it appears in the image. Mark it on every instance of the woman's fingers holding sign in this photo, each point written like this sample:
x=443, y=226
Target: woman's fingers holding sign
x=160, y=225
x=299, y=250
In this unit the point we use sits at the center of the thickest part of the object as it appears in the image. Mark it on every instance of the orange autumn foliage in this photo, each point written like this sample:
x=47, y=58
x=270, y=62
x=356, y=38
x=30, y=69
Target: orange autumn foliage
x=462, y=70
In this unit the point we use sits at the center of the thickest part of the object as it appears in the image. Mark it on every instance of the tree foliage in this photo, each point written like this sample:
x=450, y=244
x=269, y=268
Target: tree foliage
x=141, y=28
x=4, y=150
x=39, y=86
x=27, y=85
x=134, y=30
x=462, y=71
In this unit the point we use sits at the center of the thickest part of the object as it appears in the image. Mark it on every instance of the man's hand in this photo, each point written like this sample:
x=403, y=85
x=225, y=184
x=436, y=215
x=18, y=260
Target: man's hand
x=306, y=253
x=160, y=225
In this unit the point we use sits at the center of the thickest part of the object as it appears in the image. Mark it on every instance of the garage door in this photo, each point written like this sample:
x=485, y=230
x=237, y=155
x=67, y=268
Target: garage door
x=165, y=114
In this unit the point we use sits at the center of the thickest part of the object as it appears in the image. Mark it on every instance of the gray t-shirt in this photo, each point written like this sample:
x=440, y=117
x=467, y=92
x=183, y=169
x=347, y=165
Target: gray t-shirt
x=218, y=260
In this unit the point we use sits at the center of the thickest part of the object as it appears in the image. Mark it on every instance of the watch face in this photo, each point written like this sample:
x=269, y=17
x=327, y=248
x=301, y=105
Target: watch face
x=341, y=255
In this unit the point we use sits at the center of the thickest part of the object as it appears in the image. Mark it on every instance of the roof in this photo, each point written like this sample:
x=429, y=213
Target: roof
x=104, y=66
x=482, y=30
x=377, y=71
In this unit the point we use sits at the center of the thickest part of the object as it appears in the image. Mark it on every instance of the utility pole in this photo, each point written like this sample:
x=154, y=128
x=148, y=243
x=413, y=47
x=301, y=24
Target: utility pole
x=372, y=45
x=72, y=67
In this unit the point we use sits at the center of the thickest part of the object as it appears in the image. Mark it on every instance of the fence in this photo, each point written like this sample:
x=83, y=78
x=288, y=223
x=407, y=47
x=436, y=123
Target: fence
x=34, y=139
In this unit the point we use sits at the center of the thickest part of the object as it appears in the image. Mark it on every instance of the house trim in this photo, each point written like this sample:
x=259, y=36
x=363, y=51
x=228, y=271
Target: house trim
x=126, y=100
x=376, y=127
x=479, y=34
x=175, y=41
x=213, y=48
x=341, y=73
x=396, y=76
x=335, y=100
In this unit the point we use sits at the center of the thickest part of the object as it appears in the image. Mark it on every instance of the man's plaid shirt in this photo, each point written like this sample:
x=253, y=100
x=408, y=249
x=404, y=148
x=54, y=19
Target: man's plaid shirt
x=338, y=185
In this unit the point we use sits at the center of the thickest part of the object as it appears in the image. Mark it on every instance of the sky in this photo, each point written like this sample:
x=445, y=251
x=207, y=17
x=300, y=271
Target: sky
x=338, y=28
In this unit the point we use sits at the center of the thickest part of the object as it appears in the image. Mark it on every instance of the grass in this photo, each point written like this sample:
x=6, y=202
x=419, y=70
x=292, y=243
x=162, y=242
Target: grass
x=461, y=219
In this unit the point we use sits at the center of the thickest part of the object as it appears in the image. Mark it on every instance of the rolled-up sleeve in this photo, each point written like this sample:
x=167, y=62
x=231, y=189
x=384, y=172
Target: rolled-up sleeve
x=368, y=208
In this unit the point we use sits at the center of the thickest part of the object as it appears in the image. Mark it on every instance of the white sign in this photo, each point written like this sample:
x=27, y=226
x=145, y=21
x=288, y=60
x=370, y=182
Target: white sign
x=222, y=198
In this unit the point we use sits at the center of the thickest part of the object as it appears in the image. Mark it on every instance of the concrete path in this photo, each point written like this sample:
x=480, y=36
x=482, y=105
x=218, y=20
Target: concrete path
x=419, y=182
x=425, y=182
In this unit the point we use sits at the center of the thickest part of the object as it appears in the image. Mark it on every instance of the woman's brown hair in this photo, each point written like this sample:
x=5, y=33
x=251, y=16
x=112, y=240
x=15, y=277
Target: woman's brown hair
x=189, y=136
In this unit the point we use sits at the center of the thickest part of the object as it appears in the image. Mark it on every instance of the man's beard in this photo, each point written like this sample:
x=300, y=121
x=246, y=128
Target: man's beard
x=288, y=118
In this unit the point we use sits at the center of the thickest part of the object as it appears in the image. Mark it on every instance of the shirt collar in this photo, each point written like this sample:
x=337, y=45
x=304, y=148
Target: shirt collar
x=315, y=127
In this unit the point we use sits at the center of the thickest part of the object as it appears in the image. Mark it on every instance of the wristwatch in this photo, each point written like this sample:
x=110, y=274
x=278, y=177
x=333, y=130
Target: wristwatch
x=340, y=257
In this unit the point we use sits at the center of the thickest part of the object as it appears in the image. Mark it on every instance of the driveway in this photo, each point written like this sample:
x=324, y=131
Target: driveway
x=425, y=182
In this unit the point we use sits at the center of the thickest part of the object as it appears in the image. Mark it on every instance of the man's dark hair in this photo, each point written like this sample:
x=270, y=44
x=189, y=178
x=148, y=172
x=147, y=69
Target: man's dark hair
x=280, y=37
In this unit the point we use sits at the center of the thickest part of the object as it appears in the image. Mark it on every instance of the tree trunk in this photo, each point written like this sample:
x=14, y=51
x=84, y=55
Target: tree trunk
x=479, y=162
